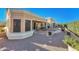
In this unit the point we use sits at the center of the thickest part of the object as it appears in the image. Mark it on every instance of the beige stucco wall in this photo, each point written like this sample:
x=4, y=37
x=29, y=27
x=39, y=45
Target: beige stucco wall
x=10, y=25
x=49, y=20
x=39, y=25
x=23, y=25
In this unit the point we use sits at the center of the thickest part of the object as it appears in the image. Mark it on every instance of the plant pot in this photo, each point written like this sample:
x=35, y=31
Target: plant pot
x=49, y=33
x=71, y=48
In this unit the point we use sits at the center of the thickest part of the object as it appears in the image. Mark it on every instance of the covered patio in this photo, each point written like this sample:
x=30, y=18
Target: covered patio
x=22, y=24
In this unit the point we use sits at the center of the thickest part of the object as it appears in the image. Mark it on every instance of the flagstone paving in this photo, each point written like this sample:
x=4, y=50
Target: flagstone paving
x=40, y=41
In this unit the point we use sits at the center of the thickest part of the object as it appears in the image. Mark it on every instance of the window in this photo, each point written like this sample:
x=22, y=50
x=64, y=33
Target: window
x=27, y=25
x=16, y=25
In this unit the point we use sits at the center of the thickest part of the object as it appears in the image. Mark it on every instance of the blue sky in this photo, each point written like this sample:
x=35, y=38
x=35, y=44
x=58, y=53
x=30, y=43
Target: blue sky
x=60, y=15
x=2, y=14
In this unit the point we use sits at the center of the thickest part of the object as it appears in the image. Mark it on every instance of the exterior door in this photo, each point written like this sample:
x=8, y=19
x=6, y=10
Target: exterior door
x=16, y=25
x=34, y=25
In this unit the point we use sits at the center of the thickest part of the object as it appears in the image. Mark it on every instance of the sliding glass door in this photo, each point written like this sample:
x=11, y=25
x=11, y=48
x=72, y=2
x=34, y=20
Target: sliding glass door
x=27, y=25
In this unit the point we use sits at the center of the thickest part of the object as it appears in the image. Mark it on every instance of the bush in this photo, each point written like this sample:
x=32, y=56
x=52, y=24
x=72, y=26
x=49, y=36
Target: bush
x=72, y=42
x=2, y=30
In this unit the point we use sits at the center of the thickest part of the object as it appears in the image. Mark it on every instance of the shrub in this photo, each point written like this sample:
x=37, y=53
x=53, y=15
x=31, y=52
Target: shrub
x=2, y=30
x=72, y=42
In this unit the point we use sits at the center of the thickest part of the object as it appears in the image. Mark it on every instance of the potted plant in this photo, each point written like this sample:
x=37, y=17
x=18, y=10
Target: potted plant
x=49, y=33
x=73, y=44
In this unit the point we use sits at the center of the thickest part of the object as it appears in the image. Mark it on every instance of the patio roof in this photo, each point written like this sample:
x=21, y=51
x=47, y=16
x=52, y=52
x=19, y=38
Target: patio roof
x=22, y=12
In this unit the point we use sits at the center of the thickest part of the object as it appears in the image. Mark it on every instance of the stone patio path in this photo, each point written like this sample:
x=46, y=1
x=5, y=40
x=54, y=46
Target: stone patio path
x=40, y=41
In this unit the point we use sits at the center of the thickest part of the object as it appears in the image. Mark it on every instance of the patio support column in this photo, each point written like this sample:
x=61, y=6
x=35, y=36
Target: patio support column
x=46, y=25
x=43, y=24
x=31, y=25
x=22, y=25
